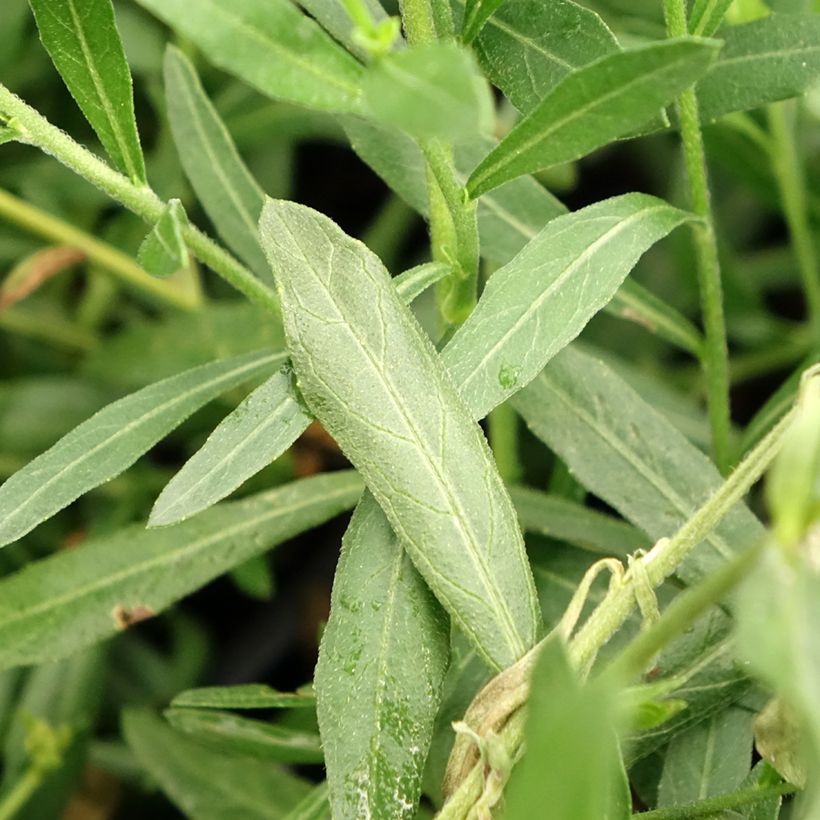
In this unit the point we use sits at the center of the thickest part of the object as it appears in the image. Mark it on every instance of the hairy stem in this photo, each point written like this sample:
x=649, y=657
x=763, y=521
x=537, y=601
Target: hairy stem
x=32, y=128
x=113, y=261
x=790, y=181
x=715, y=351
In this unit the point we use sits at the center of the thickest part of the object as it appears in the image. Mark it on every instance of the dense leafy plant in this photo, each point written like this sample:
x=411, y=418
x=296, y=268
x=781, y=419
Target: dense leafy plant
x=652, y=647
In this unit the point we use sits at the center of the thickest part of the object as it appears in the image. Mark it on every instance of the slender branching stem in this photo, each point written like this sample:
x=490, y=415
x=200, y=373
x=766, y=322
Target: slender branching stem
x=790, y=176
x=33, y=129
x=715, y=352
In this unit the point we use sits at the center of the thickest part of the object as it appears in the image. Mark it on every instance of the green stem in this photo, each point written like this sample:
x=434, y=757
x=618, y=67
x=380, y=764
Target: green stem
x=426, y=21
x=503, y=433
x=33, y=129
x=715, y=805
x=716, y=357
x=667, y=555
x=22, y=790
x=118, y=264
x=790, y=181
x=47, y=328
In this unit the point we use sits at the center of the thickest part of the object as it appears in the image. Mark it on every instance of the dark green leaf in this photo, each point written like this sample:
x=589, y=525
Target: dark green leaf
x=223, y=184
x=271, y=45
x=74, y=598
x=113, y=439
x=595, y=105
x=164, y=250
x=229, y=732
x=82, y=39
x=476, y=14
x=381, y=665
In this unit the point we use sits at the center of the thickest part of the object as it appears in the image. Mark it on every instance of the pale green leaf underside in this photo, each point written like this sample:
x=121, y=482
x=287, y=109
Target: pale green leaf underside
x=82, y=40
x=228, y=193
x=113, y=439
x=628, y=454
x=761, y=62
x=60, y=604
x=527, y=46
x=242, y=696
x=229, y=732
x=245, y=787
x=164, y=251
x=381, y=665
x=442, y=494
x=543, y=298
x=271, y=45
x=261, y=428
x=594, y=105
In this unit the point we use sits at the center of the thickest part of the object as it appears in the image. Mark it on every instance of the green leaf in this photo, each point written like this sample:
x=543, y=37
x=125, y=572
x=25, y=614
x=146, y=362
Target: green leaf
x=254, y=578
x=242, y=696
x=229, y=732
x=429, y=91
x=628, y=454
x=761, y=62
x=271, y=45
x=261, y=428
x=564, y=520
x=77, y=597
x=543, y=298
x=164, y=251
x=706, y=16
x=381, y=665
x=82, y=40
x=315, y=806
x=476, y=14
x=210, y=784
x=113, y=439
x=7, y=135
x=527, y=46
x=442, y=494
x=595, y=105
x=709, y=759
x=572, y=762
x=228, y=193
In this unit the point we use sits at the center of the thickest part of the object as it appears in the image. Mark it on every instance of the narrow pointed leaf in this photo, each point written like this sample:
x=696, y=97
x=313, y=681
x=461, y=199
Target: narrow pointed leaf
x=476, y=14
x=222, y=182
x=185, y=770
x=315, y=806
x=381, y=665
x=261, y=428
x=429, y=91
x=82, y=40
x=164, y=251
x=594, y=106
x=624, y=451
x=706, y=16
x=113, y=439
x=242, y=696
x=527, y=46
x=543, y=298
x=442, y=495
x=271, y=45
x=230, y=732
x=74, y=598
x=761, y=62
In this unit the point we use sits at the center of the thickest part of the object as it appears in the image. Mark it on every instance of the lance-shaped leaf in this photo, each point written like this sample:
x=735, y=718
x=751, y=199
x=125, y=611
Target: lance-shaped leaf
x=315, y=806
x=223, y=184
x=543, y=298
x=271, y=45
x=206, y=783
x=706, y=16
x=82, y=40
x=527, y=46
x=375, y=381
x=72, y=599
x=476, y=14
x=594, y=106
x=164, y=251
x=381, y=665
x=761, y=62
x=242, y=696
x=113, y=439
x=628, y=454
x=240, y=734
x=264, y=425
x=429, y=91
